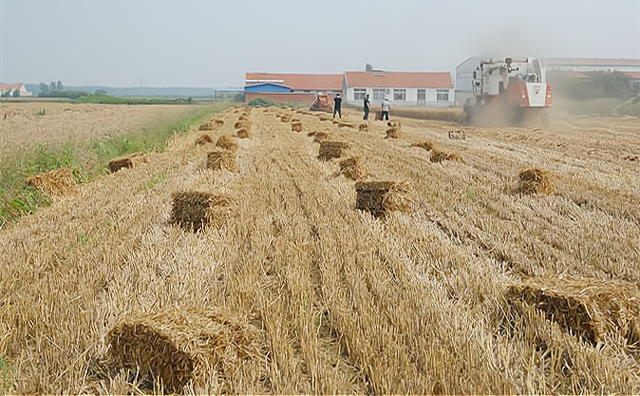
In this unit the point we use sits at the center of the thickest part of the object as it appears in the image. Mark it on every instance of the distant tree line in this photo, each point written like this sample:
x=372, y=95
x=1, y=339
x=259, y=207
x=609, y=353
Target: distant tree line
x=56, y=90
x=593, y=85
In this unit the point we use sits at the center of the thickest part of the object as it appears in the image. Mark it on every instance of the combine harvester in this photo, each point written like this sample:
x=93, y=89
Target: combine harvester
x=509, y=91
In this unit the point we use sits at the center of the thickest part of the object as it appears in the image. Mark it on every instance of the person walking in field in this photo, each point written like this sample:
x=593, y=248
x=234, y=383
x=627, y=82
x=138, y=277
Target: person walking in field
x=337, y=106
x=366, y=107
x=385, y=109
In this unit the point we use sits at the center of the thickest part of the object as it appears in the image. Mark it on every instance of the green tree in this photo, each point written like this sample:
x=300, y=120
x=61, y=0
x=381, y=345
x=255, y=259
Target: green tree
x=368, y=67
x=52, y=87
x=59, y=86
x=16, y=93
x=44, y=88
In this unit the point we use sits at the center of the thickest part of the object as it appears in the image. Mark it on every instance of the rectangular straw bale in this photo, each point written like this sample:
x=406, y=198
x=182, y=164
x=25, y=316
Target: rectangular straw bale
x=589, y=308
x=126, y=161
x=458, y=134
x=195, y=210
x=425, y=145
x=285, y=118
x=535, y=181
x=439, y=156
x=176, y=347
x=394, y=124
x=320, y=137
x=370, y=196
x=227, y=142
x=242, y=124
x=329, y=150
x=222, y=159
x=207, y=126
x=296, y=127
x=218, y=122
x=243, y=133
x=393, y=133
x=203, y=139
x=57, y=182
x=353, y=168
x=363, y=127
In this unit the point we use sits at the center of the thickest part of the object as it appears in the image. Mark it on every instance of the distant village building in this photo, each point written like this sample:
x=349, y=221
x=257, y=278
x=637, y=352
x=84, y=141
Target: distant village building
x=290, y=88
x=13, y=90
x=400, y=88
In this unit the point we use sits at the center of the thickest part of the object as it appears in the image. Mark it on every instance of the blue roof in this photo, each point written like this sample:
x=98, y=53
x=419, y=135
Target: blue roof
x=267, y=87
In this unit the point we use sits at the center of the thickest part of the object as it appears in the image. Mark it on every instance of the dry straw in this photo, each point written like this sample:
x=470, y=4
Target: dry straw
x=535, y=181
x=459, y=134
x=176, y=347
x=285, y=118
x=203, y=139
x=207, y=126
x=394, y=124
x=196, y=209
x=363, y=127
x=126, y=162
x=329, y=150
x=227, y=142
x=319, y=136
x=425, y=145
x=243, y=133
x=587, y=307
x=242, y=124
x=222, y=159
x=218, y=122
x=393, y=133
x=439, y=156
x=54, y=183
x=353, y=168
x=296, y=127
x=379, y=197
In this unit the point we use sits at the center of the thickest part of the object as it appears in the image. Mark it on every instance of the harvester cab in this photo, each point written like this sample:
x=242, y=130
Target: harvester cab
x=321, y=103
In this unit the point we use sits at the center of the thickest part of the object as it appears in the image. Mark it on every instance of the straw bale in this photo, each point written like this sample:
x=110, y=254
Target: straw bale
x=535, y=181
x=285, y=118
x=222, y=159
x=227, y=142
x=296, y=120
x=126, y=161
x=243, y=133
x=177, y=346
x=439, y=156
x=589, y=308
x=218, y=122
x=196, y=209
x=394, y=124
x=330, y=150
x=458, y=134
x=242, y=124
x=207, y=126
x=203, y=139
x=393, y=133
x=296, y=127
x=353, y=168
x=378, y=116
x=54, y=183
x=363, y=127
x=426, y=145
x=243, y=117
x=370, y=196
x=324, y=117
x=320, y=137
x=345, y=125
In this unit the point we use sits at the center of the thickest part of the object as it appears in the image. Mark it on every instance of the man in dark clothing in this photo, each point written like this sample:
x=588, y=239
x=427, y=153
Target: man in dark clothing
x=366, y=107
x=337, y=104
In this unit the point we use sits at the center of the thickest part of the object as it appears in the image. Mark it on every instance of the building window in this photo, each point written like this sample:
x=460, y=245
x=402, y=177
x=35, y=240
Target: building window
x=442, y=95
x=379, y=93
x=399, y=94
x=359, y=93
x=422, y=96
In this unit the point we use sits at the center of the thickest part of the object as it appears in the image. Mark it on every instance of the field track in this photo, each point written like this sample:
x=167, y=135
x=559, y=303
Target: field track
x=341, y=302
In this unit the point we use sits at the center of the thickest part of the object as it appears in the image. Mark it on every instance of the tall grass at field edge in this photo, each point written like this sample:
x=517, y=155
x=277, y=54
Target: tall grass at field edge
x=86, y=161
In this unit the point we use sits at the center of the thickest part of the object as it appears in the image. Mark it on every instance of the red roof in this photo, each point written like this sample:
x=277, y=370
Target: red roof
x=635, y=75
x=10, y=87
x=398, y=79
x=310, y=82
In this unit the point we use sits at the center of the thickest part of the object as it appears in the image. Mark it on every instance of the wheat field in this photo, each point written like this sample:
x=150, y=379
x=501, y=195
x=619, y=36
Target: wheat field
x=311, y=295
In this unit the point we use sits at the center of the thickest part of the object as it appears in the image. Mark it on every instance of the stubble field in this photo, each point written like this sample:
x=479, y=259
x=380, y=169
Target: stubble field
x=291, y=289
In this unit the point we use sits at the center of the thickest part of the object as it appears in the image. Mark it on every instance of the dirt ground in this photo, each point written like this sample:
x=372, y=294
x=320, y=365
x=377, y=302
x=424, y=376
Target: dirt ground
x=24, y=126
x=339, y=301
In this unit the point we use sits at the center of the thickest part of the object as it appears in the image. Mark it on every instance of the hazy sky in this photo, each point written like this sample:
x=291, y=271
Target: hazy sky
x=212, y=43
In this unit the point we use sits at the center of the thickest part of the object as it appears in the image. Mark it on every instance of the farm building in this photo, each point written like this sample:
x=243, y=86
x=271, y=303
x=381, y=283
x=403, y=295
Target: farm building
x=401, y=88
x=290, y=88
x=13, y=90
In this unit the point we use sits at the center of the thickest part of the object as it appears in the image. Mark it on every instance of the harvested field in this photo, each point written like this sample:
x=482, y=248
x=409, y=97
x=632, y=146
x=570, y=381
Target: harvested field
x=26, y=127
x=446, y=283
x=222, y=159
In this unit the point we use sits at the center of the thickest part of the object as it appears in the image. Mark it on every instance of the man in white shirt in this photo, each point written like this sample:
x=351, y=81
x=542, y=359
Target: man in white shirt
x=385, y=109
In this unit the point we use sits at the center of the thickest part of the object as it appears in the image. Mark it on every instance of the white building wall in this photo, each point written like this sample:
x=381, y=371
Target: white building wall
x=431, y=96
